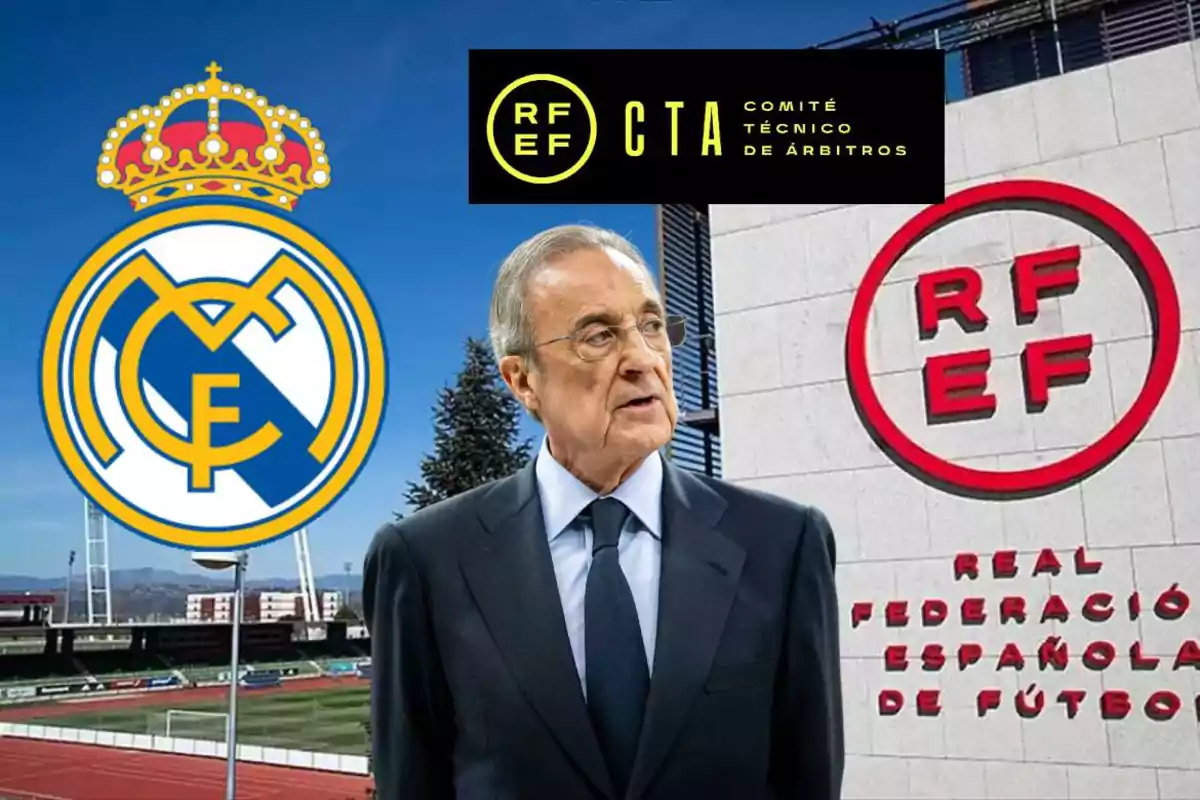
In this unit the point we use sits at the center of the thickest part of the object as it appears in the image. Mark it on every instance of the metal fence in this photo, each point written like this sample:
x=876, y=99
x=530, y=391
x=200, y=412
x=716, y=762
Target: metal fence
x=995, y=44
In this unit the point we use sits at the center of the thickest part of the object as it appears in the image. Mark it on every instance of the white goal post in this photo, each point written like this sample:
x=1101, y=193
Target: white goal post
x=196, y=724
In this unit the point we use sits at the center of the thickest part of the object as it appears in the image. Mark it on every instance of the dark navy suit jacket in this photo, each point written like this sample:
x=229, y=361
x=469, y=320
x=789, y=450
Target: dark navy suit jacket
x=475, y=695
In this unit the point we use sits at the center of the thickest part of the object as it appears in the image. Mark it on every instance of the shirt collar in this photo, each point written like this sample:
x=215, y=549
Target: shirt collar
x=564, y=496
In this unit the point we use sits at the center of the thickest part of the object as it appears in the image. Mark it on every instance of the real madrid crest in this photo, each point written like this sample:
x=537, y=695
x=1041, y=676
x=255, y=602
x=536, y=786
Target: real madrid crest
x=213, y=376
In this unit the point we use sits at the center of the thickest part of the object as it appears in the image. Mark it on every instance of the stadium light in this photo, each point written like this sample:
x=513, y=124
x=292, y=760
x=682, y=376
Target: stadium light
x=220, y=561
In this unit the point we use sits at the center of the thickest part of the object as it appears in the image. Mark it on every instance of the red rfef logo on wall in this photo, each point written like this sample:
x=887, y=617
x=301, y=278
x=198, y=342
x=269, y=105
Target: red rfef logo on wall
x=955, y=384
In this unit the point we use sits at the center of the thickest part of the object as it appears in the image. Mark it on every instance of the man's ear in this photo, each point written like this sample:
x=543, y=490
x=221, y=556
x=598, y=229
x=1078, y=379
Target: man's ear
x=515, y=370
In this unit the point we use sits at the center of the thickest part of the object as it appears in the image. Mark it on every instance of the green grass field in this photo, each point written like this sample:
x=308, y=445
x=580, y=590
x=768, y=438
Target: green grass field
x=326, y=721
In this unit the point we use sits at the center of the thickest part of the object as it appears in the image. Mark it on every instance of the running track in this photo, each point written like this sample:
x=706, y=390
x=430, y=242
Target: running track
x=40, y=770
x=33, y=769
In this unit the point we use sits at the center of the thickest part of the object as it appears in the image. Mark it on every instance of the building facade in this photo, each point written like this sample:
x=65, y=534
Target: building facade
x=19, y=609
x=258, y=606
x=1001, y=419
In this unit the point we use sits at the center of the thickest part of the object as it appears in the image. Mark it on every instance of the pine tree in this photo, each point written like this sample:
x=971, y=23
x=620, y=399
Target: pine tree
x=476, y=428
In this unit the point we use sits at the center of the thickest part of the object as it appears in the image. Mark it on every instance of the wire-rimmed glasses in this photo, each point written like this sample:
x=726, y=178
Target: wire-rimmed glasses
x=597, y=340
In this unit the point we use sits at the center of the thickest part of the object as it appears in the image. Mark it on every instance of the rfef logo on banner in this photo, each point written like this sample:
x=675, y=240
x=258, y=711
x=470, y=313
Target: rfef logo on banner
x=728, y=126
x=957, y=385
x=213, y=376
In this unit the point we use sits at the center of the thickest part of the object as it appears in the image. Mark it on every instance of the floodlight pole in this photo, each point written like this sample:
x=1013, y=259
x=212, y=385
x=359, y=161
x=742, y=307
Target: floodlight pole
x=70, y=579
x=231, y=717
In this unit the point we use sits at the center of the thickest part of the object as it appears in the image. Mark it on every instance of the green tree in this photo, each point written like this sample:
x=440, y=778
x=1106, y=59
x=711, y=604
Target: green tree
x=476, y=433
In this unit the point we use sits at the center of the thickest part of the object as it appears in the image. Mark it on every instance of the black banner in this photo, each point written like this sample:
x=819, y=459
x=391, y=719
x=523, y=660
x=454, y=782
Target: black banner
x=82, y=687
x=51, y=690
x=718, y=126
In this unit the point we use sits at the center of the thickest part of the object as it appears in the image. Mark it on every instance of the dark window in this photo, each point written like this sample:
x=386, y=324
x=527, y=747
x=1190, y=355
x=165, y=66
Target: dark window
x=1086, y=38
x=685, y=244
x=996, y=44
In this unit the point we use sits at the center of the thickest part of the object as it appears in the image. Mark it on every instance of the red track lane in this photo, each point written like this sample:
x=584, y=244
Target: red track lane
x=31, y=768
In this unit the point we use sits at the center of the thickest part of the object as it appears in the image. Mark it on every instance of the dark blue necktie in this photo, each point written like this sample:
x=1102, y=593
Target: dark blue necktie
x=618, y=679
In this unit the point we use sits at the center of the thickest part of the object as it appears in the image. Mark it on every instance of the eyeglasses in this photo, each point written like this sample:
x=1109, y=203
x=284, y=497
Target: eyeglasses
x=596, y=341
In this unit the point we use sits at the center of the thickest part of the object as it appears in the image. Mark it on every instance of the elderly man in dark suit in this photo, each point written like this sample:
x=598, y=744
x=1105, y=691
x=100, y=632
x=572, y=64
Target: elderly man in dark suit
x=602, y=625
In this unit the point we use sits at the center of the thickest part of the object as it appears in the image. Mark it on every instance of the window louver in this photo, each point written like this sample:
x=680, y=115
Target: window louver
x=686, y=273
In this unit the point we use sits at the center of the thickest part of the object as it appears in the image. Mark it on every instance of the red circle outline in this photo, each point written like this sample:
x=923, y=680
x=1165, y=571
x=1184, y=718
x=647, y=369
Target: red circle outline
x=1047, y=476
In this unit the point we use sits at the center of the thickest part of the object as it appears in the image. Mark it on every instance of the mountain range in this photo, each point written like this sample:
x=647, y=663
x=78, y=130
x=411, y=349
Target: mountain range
x=156, y=595
x=149, y=576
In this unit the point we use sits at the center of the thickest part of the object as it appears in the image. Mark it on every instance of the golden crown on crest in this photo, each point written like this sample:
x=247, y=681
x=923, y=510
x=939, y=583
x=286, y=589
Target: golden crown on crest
x=153, y=160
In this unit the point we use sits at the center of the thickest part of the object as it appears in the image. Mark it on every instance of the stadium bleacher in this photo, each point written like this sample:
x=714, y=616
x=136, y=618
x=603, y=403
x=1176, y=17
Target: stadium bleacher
x=193, y=654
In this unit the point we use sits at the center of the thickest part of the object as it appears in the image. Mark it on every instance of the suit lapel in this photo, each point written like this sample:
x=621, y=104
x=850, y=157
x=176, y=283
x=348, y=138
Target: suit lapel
x=700, y=573
x=512, y=580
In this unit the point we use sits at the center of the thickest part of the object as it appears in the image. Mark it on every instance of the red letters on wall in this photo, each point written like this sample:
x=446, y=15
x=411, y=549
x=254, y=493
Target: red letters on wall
x=1054, y=654
x=956, y=384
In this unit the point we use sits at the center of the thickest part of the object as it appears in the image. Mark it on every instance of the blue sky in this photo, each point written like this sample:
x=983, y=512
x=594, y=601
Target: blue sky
x=386, y=84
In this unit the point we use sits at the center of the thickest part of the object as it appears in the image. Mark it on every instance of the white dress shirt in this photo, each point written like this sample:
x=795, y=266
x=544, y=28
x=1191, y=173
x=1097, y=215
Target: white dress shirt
x=639, y=550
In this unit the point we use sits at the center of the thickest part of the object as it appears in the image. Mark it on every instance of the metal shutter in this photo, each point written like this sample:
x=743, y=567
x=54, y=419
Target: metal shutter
x=685, y=257
x=995, y=44
x=1138, y=27
x=1082, y=34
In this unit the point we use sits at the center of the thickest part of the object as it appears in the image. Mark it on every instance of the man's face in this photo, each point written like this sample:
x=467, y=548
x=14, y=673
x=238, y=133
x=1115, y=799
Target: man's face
x=620, y=406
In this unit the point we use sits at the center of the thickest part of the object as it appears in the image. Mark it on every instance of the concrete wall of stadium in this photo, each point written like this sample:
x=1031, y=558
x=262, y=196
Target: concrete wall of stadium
x=785, y=277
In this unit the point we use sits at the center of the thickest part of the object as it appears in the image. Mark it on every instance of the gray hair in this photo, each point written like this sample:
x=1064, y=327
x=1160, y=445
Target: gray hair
x=510, y=325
